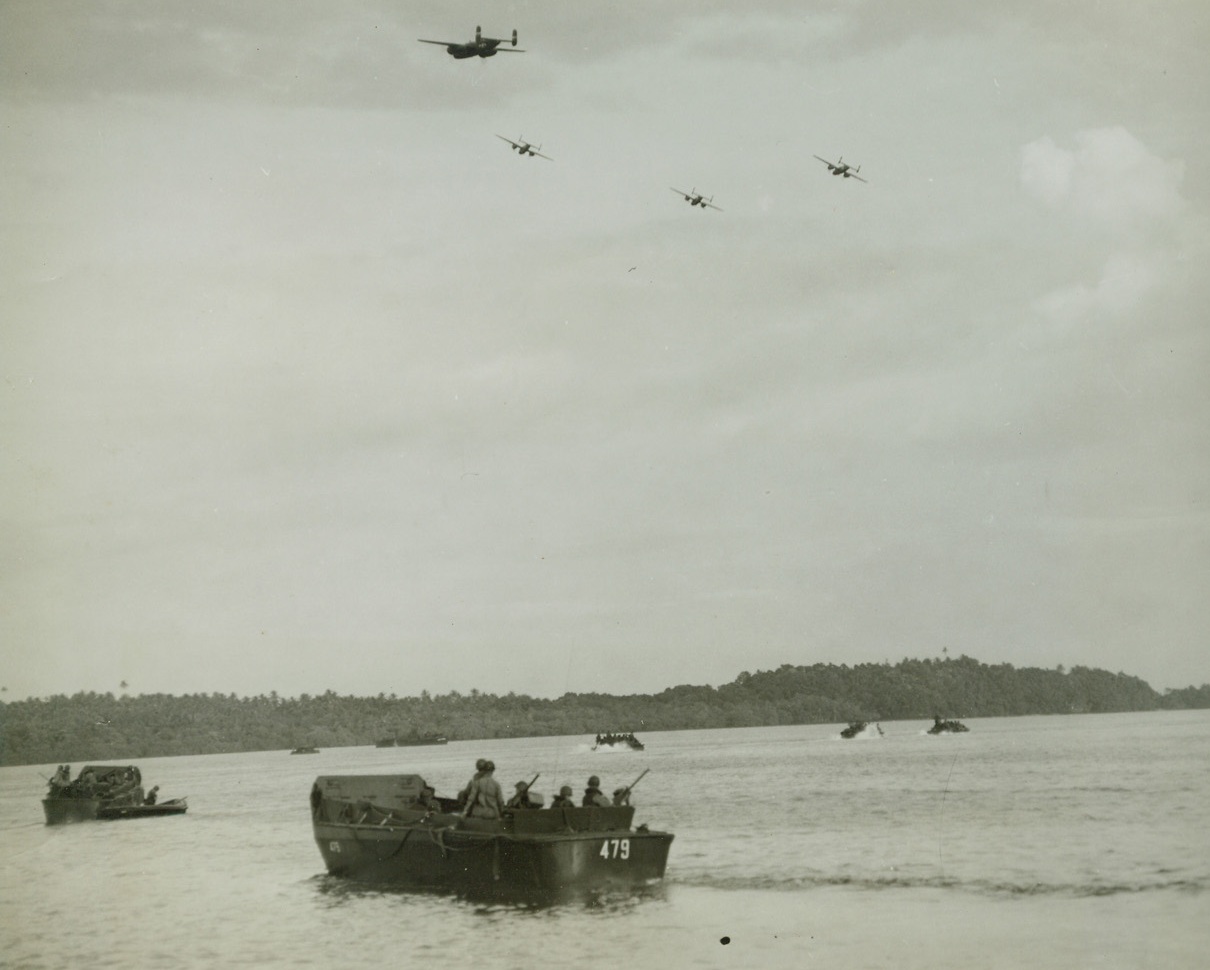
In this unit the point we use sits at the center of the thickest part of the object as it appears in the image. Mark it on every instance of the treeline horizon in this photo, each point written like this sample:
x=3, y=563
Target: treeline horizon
x=88, y=726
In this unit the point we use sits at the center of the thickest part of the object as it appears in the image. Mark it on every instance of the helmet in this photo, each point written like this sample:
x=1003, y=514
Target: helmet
x=521, y=784
x=489, y=766
x=481, y=764
x=594, y=782
x=565, y=790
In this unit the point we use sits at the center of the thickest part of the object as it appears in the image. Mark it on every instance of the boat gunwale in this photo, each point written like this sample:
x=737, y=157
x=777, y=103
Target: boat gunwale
x=486, y=836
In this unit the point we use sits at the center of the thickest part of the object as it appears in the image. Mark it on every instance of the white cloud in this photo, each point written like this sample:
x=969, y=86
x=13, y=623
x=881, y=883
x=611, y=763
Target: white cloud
x=1124, y=281
x=1109, y=176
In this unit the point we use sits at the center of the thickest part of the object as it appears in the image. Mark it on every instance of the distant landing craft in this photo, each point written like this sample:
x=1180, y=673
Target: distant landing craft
x=841, y=167
x=479, y=47
x=694, y=197
x=525, y=148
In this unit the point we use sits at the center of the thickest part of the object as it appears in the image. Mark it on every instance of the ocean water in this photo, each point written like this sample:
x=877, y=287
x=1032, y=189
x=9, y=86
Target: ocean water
x=1041, y=842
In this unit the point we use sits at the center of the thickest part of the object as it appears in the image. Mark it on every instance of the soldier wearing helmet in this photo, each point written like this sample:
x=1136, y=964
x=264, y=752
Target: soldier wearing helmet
x=484, y=799
x=524, y=798
x=593, y=794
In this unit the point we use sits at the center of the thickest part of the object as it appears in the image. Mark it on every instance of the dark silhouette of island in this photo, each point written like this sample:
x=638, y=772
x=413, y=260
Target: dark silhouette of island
x=98, y=727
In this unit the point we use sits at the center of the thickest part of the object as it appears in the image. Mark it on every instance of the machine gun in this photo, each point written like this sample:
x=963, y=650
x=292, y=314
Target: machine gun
x=621, y=796
x=524, y=793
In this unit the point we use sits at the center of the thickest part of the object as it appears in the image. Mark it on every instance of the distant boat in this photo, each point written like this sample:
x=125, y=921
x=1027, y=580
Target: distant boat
x=421, y=739
x=305, y=751
x=947, y=727
x=103, y=792
x=612, y=740
x=394, y=829
x=857, y=728
x=411, y=740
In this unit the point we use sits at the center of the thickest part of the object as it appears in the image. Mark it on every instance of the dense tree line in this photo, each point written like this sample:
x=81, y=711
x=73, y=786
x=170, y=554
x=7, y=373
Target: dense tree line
x=102, y=727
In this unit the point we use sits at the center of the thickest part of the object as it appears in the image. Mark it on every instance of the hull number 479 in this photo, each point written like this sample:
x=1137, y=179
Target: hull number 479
x=615, y=849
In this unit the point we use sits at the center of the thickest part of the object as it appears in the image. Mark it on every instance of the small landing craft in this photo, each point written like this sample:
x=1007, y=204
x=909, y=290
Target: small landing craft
x=103, y=792
x=479, y=47
x=525, y=148
x=841, y=167
x=694, y=197
x=395, y=829
x=616, y=741
x=946, y=726
x=411, y=740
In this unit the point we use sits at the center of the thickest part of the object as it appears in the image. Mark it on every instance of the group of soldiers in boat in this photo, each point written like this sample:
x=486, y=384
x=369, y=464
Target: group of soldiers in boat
x=946, y=726
x=482, y=796
x=611, y=738
x=116, y=785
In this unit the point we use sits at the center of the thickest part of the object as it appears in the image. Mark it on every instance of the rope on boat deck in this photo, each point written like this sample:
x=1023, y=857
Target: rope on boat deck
x=471, y=844
x=398, y=848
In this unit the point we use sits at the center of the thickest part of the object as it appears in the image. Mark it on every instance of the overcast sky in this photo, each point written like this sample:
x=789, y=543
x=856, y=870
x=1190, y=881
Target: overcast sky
x=309, y=382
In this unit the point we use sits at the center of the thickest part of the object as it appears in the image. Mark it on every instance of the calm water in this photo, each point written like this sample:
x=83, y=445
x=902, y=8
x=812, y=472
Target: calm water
x=1045, y=842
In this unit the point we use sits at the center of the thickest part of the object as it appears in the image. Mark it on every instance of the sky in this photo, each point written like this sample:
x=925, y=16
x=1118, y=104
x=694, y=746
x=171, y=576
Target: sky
x=309, y=382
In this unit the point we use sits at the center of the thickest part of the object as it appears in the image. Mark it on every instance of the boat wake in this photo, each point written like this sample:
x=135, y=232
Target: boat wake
x=978, y=887
x=337, y=891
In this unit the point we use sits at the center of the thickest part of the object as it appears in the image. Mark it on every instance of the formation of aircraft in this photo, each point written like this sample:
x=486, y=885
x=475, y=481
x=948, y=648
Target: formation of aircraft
x=694, y=197
x=490, y=46
x=525, y=148
x=841, y=167
x=479, y=47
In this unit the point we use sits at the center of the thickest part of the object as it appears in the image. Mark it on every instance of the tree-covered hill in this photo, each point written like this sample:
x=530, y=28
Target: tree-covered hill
x=99, y=727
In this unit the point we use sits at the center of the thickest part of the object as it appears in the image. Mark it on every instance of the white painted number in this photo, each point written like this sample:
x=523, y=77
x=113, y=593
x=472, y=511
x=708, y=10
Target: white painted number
x=615, y=849
x=333, y=846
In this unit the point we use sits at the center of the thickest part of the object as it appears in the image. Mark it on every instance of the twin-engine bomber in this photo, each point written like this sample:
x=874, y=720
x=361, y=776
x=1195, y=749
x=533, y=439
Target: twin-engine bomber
x=479, y=47
x=841, y=167
x=525, y=148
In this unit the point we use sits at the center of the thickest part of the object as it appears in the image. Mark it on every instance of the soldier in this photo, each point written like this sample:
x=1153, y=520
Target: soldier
x=428, y=799
x=462, y=795
x=593, y=794
x=564, y=799
x=522, y=797
x=484, y=797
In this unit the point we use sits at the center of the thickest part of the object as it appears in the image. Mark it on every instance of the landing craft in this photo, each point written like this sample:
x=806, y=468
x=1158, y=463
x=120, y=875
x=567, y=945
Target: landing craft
x=841, y=167
x=525, y=148
x=479, y=47
x=694, y=197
